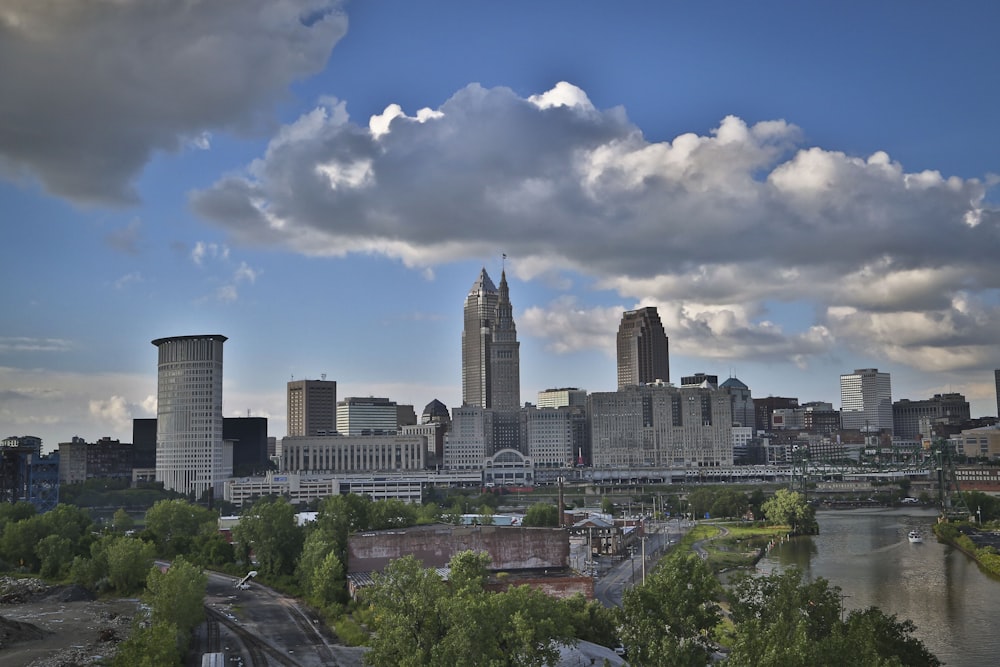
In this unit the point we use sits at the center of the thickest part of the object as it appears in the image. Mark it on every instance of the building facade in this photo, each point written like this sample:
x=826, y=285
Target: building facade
x=346, y=454
x=312, y=407
x=866, y=400
x=104, y=459
x=741, y=402
x=915, y=419
x=564, y=397
x=643, y=354
x=658, y=425
x=368, y=416
x=764, y=408
x=190, y=452
x=491, y=376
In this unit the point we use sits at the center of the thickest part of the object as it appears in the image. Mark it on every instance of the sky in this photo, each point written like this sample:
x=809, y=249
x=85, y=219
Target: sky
x=802, y=189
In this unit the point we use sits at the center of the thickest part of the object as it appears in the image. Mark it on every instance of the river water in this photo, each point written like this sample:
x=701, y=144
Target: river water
x=955, y=607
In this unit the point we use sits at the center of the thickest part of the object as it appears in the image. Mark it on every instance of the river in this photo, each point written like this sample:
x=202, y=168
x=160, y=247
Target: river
x=955, y=607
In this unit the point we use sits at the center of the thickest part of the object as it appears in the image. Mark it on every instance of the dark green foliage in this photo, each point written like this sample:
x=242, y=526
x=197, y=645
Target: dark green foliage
x=542, y=514
x=783, y=621
x=668, y=620
x=421, y=620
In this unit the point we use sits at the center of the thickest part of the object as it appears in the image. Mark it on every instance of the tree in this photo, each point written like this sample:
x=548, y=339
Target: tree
x=174, y=525
x=781, y=620
x=391, y=513
x=421, y=620
x=541, y=514
x=269, y=528
x=789, y=508
x=607, y=505
x=668, y=619
x=129, y=560
x=149, y=646
x=122, y=521
x=177, y=596
x=406, y=600
x=55, y=555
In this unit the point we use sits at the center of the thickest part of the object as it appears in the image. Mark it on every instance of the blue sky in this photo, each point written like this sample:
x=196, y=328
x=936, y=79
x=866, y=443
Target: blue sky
x=801, y=188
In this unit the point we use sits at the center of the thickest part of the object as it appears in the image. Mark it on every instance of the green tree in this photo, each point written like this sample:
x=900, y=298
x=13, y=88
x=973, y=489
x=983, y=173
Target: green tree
x=700, y=501
x=129, y=560
x=667, y=621
x=591, y=620
x=177, y=597
x=270, y=529
x=122, y=521
x=329, y=585
x=406, y=600
x=607, y=505
x=541, y=514
x=19, y=539
x=175, y=524
x=781, y=620
x=391, y=513
x=55, y=555
x=789, y=508
x=149, y=646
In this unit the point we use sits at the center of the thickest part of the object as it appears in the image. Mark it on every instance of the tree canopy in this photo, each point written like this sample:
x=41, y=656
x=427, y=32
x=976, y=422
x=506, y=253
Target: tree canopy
x=789, y=508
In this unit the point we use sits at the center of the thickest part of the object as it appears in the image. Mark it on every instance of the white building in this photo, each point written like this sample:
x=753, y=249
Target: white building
x=866, y=400
x=549, y=435
x=563, y=398
x=335, y=453
x=659, y=425
x=190, y=453
x=367, y=416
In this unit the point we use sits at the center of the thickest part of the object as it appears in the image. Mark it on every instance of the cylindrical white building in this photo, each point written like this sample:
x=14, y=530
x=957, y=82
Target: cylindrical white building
x=190, y=453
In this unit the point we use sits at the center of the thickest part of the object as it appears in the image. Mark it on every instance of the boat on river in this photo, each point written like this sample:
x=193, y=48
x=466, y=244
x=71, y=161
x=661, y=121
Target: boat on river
x=914, y=536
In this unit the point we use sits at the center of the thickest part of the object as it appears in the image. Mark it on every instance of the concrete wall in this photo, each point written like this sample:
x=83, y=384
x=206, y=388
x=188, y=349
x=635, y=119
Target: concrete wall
x=509, y=547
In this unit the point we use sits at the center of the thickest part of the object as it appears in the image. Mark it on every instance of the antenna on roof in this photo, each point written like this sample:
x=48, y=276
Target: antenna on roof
x=322, y=376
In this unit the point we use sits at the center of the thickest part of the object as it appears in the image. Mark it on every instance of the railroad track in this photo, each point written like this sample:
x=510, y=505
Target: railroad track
x=261, y=653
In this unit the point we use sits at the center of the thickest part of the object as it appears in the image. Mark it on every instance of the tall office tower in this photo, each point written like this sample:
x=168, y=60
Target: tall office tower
x=866, y=400
x=741, y=402
x=190, y=454
x=491, y=376
x=312, y=407
x=368, y=416
x=642, y=348
x=996, y=377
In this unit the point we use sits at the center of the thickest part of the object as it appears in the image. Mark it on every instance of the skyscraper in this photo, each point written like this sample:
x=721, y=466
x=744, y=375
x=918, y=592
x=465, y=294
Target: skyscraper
x=190, y=452
x=642, y=348
x=312, y=407
x=996, y=377
x=866, y=400
x=491, y=376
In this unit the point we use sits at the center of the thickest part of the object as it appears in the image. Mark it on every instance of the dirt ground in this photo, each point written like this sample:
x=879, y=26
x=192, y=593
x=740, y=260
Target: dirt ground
x=45, y=626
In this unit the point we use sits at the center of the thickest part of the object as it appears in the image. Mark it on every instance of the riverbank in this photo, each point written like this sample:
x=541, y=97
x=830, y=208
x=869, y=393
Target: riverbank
x=963, y=537
x=734, y=545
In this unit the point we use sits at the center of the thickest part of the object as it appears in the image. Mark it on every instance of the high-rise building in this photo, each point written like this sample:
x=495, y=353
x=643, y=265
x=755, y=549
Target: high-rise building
x=764, y=408
x=866, y=400
x=491, y=376
x=312, y=407
x=562, y=398
x=642, y=348
x=659, y=425
x=996, y=378
x=741, y=402
x=914, y=419
x=367, y=416
x=190, y=452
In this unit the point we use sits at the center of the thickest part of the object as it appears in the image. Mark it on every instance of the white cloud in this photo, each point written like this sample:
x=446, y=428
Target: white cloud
x=113, y=81
x=113, y=411
x=712, y=227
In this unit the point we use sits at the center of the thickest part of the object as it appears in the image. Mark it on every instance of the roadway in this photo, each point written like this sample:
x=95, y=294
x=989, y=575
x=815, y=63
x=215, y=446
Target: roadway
x=265, y=627
x=614, y=578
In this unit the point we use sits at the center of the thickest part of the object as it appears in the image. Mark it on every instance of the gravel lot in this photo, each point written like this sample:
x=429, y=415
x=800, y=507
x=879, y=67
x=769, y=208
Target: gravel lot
x=44, y=626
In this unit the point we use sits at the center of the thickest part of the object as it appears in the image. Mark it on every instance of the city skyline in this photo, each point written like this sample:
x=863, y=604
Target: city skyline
x=800, y=190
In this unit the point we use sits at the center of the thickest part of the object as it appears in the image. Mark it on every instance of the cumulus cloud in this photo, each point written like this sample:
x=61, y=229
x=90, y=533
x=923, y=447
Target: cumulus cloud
x=92, y=88
x=114, y=411
x=710, y=227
